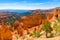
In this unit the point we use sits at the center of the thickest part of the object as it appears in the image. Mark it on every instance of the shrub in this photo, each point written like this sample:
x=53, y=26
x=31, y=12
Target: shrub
x=47, y=28
x=35, y=34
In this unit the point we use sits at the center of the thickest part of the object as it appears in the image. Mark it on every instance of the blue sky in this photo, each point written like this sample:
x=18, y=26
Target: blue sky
x=29, y=4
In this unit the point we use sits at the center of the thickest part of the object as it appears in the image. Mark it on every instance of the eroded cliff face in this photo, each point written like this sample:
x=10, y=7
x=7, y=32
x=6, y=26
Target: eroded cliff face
x=56, y=12
x=29, y=23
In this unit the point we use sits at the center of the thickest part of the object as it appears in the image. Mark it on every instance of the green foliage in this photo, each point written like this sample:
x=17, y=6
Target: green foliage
x=11, y=20
x=35, y=34
x=47, y=27
x=58, y=19
x=17, y=37
x=52, y=35
x=56, y=27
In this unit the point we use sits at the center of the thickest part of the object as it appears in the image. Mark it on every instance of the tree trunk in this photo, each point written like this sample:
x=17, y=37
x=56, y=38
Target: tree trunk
x=47, y=35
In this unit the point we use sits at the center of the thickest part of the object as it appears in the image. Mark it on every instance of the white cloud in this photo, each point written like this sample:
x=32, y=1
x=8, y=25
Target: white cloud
x=21, y=5
x=26, y=6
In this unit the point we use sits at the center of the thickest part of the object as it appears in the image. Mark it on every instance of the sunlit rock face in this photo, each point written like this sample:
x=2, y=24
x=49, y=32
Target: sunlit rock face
x=56, y=12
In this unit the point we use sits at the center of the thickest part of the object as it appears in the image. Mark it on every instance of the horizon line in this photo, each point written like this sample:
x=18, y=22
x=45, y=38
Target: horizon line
x=30, y=9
